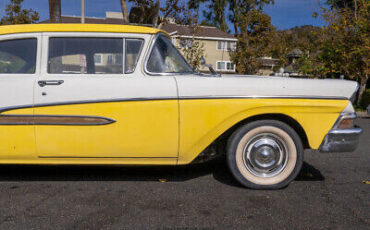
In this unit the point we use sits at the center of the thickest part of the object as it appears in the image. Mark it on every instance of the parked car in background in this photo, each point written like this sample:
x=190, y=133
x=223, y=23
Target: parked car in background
x=115, y=94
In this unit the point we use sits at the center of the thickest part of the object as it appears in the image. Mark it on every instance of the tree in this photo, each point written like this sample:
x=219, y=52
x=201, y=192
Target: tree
x=14, y=14
x=55, y=11
x=149, y=11
x=194, y=50
x=144, y=12
x=345, y=48
x=216, y=14
x=124, y=11
x=305, y=38
x=254, y=32
x=241, y=8
x=341, y=4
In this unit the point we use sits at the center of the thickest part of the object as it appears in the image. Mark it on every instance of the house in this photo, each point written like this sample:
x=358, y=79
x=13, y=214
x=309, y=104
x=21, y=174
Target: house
x=267, y=66
x=217, y=43
x=292, y=68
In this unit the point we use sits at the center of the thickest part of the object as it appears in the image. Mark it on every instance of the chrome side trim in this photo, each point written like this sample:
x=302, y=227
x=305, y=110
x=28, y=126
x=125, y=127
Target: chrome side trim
x=5, y=109
x=54, y=120
x=263, y=97
x=354, y=131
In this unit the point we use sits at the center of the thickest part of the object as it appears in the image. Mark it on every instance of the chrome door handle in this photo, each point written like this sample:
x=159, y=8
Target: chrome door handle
x=50, y=82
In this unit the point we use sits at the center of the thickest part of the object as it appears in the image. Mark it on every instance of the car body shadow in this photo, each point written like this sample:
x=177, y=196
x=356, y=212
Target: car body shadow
x=217, y=168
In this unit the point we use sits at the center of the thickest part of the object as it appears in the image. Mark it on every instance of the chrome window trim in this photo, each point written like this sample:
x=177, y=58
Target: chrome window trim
x=123, y=56
x=37, y=36
x=138, y=57
x=150, y=52
x=84, y=35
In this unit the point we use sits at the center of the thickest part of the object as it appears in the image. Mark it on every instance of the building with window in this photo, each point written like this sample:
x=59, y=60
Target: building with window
x=217, y=44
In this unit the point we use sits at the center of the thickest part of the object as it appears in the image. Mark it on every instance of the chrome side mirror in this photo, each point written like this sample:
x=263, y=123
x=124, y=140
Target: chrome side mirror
x=203, y=63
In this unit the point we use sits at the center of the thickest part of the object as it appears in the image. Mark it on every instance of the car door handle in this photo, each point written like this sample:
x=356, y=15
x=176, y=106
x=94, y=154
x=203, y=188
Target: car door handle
x=50, y=82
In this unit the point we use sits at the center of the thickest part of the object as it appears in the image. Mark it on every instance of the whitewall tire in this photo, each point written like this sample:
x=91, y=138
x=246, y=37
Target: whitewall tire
x=265, y=154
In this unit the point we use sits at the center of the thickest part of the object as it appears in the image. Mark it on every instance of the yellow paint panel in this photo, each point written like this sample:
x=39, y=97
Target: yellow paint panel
x=142, y=129
x=69, y=27
x=149, y=129
x=18, y=141
x=202, y=121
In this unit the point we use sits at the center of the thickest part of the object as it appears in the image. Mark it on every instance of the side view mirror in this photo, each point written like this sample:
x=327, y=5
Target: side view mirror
x=203, y=63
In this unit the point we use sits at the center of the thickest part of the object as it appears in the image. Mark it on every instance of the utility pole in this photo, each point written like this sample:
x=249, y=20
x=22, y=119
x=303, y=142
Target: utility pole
x=82, y=11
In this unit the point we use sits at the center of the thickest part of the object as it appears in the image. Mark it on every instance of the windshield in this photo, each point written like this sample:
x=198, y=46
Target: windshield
x=165, y=58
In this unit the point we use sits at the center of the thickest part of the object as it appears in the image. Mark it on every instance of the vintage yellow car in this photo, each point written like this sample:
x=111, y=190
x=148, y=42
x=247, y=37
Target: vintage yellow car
x=115, y=94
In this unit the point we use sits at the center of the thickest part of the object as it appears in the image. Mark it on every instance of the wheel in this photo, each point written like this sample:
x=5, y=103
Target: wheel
x=265, y=154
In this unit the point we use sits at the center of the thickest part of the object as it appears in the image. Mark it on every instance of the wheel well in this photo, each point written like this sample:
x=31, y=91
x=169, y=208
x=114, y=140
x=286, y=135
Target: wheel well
x=273, y=116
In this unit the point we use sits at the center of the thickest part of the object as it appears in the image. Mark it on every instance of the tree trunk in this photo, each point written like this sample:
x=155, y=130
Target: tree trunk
x=124, y=11
x=156, y=14
x=363, y=82
x=55, y=11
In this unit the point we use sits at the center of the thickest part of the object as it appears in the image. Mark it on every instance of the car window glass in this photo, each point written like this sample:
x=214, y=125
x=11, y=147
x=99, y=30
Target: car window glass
x=165, y=58
x=133, y=49
x=18, y=56
x=85, y=56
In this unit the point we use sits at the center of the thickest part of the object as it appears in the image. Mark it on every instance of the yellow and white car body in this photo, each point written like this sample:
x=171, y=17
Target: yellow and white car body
x=146, y=118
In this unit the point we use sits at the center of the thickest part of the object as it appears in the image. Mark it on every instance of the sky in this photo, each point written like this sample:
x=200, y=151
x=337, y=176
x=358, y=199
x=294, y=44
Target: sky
x=284, y=14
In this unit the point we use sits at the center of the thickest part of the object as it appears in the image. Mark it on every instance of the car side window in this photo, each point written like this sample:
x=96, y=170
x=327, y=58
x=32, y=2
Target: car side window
x=165, y=58
x=18, y=56
x=133, y=50
x=85, y=55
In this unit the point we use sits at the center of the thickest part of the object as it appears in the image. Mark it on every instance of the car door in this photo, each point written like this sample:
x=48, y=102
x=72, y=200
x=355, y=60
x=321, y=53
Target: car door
x=19, y=61
x=92, y=99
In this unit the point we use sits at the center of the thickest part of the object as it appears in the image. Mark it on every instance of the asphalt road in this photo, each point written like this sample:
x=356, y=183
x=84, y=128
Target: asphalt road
x=328, y=194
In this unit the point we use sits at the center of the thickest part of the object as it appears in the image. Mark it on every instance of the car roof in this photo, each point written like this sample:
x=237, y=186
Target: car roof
x=60, y=27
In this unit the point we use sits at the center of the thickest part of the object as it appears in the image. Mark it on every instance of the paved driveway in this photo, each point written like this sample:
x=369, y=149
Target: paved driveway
x=328, y=194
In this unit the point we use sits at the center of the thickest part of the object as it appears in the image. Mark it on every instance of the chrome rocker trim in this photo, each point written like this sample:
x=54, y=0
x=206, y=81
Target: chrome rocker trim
x=341, y=140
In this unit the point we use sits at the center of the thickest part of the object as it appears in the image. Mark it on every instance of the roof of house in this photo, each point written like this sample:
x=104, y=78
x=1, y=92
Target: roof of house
x=90, y=20
x=204, y=31
x=29, y=28
x=269, y=61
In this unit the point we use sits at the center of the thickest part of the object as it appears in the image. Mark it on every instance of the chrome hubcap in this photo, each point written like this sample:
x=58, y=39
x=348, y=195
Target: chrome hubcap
x=265, y=155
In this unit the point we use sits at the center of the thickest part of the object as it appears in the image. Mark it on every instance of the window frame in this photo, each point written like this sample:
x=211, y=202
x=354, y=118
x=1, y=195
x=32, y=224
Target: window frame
x=149, y=52
x=225, y=70
x=37, y=36
x=101, y=59
x=97, y=64
x=139, y=56
x=225, y=46
x=45, y=52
